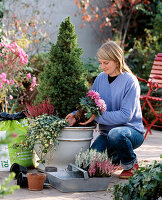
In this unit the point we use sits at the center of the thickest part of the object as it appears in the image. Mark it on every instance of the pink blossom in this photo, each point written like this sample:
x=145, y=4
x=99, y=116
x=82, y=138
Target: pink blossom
x=98, y=101
x=12, y=82
x=1, y=44
x=3, y=75
x=14, y=135
x=93, y=94
x=28, y=75
x=1, y=85
x=33, y=82
x=7, y=81
x=34, y=79
x=4, y=80
x=11, y=97
x=101, y=104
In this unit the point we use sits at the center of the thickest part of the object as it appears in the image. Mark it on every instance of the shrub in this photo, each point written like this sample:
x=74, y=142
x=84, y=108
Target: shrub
x=63, y=79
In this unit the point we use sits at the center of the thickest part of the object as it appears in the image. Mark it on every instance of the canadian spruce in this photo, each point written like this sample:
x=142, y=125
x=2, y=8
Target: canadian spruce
x=63, y=79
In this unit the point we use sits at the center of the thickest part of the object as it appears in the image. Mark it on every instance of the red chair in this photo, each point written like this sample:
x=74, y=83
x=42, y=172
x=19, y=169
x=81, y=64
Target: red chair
x=154, y=83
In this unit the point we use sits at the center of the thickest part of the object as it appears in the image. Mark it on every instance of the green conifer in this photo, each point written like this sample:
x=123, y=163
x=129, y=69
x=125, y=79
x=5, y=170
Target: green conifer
x=63, y=79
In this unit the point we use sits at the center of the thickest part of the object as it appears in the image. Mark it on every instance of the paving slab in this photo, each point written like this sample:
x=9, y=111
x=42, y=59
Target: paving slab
x=147, y=153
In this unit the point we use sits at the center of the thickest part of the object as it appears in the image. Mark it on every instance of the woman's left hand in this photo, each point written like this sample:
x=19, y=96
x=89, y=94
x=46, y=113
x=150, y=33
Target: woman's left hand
x=89, y=120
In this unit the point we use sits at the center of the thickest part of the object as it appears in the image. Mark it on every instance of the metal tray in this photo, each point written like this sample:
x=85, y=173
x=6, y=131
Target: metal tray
x=76, y=180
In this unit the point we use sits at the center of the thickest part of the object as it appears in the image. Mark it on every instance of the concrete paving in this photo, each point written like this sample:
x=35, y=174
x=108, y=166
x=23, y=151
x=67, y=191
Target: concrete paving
x=147, y=153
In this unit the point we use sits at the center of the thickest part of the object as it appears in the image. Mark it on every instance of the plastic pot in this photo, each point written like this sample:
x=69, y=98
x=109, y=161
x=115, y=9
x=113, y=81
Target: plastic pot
x=17, y=169
x=22, y=180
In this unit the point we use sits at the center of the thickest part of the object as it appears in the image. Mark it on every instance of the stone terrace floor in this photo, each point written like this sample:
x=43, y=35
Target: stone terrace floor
x=146, y=154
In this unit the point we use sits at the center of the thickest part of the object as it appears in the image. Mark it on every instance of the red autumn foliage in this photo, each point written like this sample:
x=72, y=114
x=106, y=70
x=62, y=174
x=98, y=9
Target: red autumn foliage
x=40, y=109
x=110, y=17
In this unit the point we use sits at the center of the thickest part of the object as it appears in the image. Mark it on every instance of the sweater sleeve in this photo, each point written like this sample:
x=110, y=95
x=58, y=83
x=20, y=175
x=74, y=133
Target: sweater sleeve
x=129, y=102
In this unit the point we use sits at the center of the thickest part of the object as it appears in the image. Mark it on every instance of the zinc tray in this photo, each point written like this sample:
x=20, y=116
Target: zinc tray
x=76, y=180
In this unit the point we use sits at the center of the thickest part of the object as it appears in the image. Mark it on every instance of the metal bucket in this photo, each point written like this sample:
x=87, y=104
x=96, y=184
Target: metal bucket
x=71, y=140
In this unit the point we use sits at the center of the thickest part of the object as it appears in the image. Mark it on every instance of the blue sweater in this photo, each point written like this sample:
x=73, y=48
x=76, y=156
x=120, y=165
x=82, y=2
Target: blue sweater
x=122, y=100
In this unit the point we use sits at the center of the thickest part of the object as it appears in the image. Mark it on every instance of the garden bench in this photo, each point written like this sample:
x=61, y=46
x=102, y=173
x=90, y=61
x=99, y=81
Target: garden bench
x=152, y=100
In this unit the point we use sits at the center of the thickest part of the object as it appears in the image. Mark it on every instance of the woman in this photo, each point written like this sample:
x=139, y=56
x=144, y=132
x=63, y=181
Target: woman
x=121, y=127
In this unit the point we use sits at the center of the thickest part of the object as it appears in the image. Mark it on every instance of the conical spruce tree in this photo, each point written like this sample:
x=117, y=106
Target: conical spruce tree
x=63, y=79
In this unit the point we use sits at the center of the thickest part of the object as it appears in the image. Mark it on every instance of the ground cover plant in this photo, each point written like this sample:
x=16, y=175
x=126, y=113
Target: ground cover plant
x=146, y=184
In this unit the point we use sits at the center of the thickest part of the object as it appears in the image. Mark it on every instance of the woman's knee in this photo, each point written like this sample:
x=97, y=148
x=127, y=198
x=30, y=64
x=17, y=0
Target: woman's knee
x=115, y=135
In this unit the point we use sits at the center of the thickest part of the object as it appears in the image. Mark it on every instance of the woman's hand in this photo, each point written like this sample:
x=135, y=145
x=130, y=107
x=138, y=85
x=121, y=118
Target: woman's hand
x=89, y=120
x=71, y=119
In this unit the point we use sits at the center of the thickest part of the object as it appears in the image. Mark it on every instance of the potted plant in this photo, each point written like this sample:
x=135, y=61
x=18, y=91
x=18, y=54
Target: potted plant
x=63, y=80
x=43, y=131
x=90, y=106
x=97, y=164
x=92, y=172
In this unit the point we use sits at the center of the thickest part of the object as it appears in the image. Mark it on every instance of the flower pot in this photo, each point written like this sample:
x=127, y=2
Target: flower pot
x=36, y=181
x=71, y=140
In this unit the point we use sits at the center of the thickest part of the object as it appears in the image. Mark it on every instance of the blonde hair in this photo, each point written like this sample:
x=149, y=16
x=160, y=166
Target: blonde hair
x=112, y=51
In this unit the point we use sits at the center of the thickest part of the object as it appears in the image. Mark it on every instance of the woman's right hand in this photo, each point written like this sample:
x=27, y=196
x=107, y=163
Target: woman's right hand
x=71, y=119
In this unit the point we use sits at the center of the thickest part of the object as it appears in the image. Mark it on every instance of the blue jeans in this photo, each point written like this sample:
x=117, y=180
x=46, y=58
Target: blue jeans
x=119, y=143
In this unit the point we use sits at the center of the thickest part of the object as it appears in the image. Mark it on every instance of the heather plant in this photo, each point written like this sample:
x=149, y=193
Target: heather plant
x=40, y=109
x=101, y=168
x=62, y=79
x=96, y=163
x=13, y=75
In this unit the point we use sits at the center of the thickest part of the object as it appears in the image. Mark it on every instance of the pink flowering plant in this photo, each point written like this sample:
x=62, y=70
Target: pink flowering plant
x=92, y=104
x=13, y=60
x=97, y=164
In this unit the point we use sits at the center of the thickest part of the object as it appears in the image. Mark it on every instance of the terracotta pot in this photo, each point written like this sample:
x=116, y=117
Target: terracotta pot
x=36, y=181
